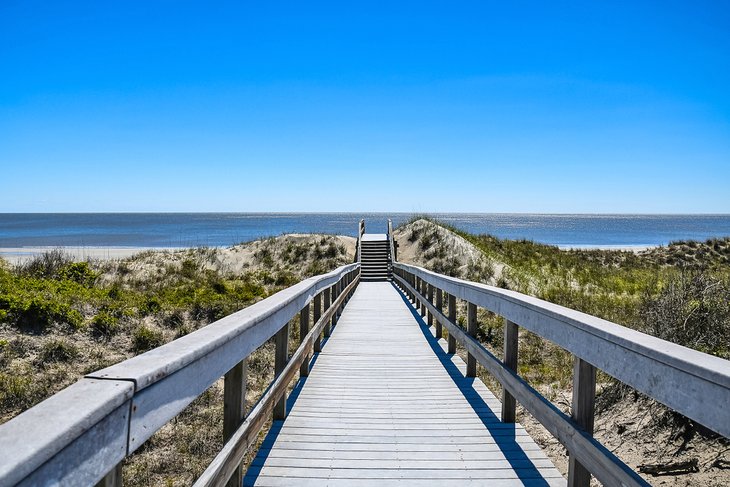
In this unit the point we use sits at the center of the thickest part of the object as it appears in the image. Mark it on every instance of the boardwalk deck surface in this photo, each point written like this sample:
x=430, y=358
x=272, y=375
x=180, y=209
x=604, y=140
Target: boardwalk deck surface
x=385, y=405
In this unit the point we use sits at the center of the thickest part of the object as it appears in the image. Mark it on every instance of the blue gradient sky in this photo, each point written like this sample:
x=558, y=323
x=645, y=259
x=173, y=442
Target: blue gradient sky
x=387, y=106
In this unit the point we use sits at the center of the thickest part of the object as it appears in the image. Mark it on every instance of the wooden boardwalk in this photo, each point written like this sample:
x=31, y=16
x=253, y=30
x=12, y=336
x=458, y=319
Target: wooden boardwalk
x=385, y=404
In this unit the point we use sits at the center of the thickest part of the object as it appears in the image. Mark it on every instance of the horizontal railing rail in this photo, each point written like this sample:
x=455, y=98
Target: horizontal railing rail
x=692, y=383
x=80, y=435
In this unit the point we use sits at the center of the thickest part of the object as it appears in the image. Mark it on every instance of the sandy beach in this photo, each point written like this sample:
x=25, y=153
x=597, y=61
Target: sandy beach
x=623, y=248
x=16, y=255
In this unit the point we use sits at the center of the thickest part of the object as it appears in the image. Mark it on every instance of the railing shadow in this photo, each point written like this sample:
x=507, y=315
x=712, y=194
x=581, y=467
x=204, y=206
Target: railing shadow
x=503, y=433
x=252, y=473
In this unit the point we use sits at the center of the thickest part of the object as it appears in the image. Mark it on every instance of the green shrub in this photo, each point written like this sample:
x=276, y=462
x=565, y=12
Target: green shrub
x=37, y=312
x=174, y=320
x=189, y=268
x=79, y=272
x=692, y=309
x=47, y=264
x=15, y=391
x=104, y=324
x=285, y=279
x=208, y=310
x=58, y=350
x=146, y=338
x=150, y=306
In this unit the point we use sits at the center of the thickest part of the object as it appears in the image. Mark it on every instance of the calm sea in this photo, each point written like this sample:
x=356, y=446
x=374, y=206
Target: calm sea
x=222, y=229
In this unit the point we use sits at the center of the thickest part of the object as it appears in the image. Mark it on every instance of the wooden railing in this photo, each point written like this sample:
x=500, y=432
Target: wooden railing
x=692, y=383
x=80, y=435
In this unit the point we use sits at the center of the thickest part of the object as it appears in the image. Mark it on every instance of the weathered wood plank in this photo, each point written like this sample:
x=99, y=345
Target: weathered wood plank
x=440, y=307
x=352, y=405
x=452, y=317
x=303, y=331
x=234, y=409
x=584, y=397
x=511, y=343
x=60, y=442
x=472, y=325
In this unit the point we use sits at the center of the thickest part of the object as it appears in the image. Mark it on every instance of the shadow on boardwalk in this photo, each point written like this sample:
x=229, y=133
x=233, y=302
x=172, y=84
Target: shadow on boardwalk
x=504, y=434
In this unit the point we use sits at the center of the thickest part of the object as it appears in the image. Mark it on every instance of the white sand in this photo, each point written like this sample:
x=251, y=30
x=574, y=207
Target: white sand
x=625, y=248
x=16, y=255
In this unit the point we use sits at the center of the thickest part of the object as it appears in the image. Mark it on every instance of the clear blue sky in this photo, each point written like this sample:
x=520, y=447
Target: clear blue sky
x=385, y=106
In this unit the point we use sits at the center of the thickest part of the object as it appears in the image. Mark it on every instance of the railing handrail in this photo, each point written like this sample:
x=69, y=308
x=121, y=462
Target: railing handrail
x=79, y=434
x=693, y=383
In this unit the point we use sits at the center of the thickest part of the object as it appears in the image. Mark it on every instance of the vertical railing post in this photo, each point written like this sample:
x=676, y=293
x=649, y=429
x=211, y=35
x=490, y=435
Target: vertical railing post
x=584, y=396
x=303, y=331
x=430, y=301
x=417, y=288
x=234, y=409
x=335, y=294
x=471, y=329
x=452, y=318
x=415, y=291
x=340, y=290
x=316, y=315
x=511, y=343
x=440, y=307
x=280, y=359
x=327, y=327
x=422, y=297
x=113, y=478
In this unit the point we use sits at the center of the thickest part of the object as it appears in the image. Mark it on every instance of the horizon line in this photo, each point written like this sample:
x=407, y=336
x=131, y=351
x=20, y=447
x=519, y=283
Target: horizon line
x=411, y=213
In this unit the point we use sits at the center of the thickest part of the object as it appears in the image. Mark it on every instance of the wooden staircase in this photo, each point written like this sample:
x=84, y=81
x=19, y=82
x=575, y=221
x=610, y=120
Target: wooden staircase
x=375, y=258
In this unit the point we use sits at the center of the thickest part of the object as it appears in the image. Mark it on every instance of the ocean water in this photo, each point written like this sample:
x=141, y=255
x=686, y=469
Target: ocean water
x=223, y=229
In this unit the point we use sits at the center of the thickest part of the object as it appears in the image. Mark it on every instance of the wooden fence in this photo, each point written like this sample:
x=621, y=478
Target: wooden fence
x=692, y=383
x=80, y=435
